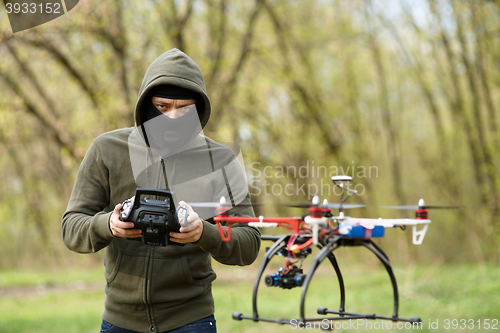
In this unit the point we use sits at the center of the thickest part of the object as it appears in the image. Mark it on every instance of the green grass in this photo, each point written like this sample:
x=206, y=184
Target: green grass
x=51, y=301
x=49, y=277
x=432, y=293
x=69, y=312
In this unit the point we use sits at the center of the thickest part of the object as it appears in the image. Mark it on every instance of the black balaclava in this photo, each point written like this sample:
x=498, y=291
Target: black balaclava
x=166, y=135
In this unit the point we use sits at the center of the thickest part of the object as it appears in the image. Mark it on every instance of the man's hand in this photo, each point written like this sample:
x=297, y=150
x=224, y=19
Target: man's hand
x=191, y=232
x=120, y=228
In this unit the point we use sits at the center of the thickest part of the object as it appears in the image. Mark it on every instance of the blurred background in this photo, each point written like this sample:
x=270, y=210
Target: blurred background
x=402, y=95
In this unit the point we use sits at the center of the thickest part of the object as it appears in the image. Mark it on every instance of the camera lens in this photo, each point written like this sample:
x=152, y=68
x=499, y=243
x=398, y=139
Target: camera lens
x=299, y=279
x=272, y=280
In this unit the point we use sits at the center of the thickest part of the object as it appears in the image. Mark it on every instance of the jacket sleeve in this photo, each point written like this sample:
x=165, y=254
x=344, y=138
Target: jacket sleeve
x=244, y=245
x=85, y=224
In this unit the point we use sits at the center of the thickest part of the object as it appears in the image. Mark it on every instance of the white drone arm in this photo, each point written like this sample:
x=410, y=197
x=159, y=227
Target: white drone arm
x=417, y=235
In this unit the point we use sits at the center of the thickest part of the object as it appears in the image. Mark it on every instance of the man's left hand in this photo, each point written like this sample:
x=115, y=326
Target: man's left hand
x=191, y=232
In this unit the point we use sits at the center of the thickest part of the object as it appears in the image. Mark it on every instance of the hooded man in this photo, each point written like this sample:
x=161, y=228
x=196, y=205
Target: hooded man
x=154, y=288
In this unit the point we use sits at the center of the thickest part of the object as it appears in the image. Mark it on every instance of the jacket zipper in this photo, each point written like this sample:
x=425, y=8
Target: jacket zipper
x=151, y=254
x=158, y=179
x=149, y=307
x=162, y=164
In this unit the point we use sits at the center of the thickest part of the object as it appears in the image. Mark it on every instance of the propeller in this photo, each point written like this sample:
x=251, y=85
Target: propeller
x=222, y=203
x=329, y=205
x=325, y=204
x=216, y=204
x=414, y=207
x=421, y=205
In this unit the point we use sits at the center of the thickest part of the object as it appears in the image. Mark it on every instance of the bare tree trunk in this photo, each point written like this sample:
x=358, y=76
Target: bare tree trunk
x=176, y=22
x=458, y=107
x=307, y=94
x=229, y=90
x=387, y=120
x=443, y=174
x=218, y=34
x=490, y=168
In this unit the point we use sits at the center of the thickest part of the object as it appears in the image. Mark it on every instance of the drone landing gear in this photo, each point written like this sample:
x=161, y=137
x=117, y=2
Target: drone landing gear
x=326, y=251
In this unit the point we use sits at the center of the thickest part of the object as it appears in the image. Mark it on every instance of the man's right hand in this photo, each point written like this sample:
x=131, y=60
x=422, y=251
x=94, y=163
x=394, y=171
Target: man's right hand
x=120, y=228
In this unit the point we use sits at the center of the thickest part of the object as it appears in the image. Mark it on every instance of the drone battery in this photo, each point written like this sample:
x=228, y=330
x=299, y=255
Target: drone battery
x=359, y=231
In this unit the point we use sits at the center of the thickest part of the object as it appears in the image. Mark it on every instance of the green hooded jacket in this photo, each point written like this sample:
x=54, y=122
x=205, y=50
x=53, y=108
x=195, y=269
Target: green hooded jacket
x=149, y=288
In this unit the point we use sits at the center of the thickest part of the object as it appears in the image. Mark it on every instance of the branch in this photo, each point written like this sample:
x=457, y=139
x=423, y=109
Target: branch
x=228, y=93
x=175, y=25
x=61, y=58
x=119, y=42
x=312, y=101
x=54, y=125
x=219, y=45
x=419, y=72
x=31, y=77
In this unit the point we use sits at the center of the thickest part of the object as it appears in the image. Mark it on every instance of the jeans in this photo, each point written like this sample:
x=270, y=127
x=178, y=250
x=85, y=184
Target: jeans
x=205, y=325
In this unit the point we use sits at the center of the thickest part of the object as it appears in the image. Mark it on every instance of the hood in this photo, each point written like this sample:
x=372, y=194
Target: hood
x=200, y=171
x=174, y=67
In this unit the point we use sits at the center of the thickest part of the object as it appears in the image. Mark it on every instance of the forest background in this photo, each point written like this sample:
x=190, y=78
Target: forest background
x=402, y=95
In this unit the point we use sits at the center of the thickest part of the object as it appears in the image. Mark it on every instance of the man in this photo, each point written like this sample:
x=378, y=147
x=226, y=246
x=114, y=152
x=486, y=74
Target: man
x=152, y=288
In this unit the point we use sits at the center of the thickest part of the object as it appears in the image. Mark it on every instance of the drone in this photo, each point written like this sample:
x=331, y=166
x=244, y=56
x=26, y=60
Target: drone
x=321, y=229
